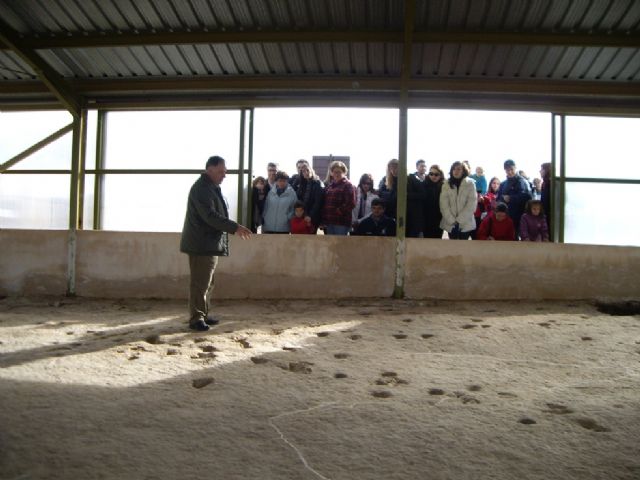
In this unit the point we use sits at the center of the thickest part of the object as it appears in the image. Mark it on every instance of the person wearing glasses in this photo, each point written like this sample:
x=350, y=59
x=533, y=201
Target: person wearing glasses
x=432, y=216
x=416, y=200
x=365, y=194
x=458, y=201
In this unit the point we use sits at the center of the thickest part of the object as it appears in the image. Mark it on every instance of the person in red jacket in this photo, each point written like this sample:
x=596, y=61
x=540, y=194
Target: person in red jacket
x=299, y=223
x=497, y=225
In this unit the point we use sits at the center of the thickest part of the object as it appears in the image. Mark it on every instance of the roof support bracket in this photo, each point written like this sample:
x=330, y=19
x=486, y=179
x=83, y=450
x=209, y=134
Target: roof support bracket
x=47, y=74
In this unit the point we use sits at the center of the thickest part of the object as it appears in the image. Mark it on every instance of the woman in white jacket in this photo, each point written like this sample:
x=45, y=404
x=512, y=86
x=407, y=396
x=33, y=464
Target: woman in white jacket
x=458, y=200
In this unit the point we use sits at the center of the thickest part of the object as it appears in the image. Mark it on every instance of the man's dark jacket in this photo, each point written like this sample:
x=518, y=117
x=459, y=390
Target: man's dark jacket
x=206, y=223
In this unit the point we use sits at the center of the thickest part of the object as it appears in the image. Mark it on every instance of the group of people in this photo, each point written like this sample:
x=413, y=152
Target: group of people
x=461, y=205
x=464, y=205
x=303, y=203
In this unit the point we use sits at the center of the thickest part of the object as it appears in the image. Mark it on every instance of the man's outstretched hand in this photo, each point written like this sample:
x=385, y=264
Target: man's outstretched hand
x=243, y=232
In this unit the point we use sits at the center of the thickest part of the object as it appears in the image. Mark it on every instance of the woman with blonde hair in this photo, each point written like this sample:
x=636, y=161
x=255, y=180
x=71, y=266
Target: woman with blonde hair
x=388, y=188
x=339, y=201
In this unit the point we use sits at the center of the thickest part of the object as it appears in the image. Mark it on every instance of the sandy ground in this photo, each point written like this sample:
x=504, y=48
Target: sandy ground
x=362, y=389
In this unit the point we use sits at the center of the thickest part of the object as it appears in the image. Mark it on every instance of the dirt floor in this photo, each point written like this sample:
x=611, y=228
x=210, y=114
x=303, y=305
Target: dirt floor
x=362, y=389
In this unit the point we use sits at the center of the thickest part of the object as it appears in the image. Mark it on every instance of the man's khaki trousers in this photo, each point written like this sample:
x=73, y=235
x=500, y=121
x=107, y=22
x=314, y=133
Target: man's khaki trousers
x=202, y=269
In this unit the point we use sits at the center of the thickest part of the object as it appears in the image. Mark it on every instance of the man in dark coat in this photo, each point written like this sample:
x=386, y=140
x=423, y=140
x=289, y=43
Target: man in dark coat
x=515, y=192
x=377, y=223
x=416, y=201
x=204, y=239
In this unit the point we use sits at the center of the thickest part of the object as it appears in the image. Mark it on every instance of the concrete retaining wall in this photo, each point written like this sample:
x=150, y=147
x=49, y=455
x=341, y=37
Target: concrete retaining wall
x=33, y=262
x=124, y=264
x=495, y=270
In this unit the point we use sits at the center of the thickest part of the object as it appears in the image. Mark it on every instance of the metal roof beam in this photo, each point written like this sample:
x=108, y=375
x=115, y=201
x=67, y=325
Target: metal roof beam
x=47, y=74
x=362, y=84
x=94, y=88
x=129, y=39
x=530, y=38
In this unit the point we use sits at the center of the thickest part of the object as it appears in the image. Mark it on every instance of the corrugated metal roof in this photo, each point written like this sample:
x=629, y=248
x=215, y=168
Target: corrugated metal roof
x=112, y=16
x=68, y=35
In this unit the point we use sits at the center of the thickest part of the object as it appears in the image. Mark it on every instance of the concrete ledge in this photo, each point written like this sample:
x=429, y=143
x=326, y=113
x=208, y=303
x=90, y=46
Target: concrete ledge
x=300, y=266
x=133, y=264
x=33, y=262
x=124, y=264
x=517, y=270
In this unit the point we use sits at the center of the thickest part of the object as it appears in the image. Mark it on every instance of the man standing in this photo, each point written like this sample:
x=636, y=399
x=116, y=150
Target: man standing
x=515, y=192
x=416, y=201
x=204, y=239
x=272, y=169
x=294, y=181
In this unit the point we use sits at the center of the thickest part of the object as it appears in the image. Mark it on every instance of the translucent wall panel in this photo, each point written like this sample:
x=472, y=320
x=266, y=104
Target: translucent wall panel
x=34, y=201
x=484, y=138
x=87, y=207
x=20, y=130
x=600, y=147
x=602, y=214
x=284, y=135
x=154, y=203
x=171, y=140
x=92, y=123
x=55, y=156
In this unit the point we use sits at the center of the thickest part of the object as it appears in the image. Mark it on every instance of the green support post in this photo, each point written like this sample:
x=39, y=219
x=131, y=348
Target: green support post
x=562, y=183
x=250, y=172
x=398, y=291
x=401, y=242
x=77, y=162
x=240, y=210
x=553, y=227
x=98, y=185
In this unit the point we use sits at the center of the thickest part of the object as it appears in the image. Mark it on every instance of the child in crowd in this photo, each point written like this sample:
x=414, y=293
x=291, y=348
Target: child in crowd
x=299, y=223
x=480, y=213
x=537, y=189
x=497, y=225
x=533, y=223
x=491, y=197
x=377, y=223
x=481, y=180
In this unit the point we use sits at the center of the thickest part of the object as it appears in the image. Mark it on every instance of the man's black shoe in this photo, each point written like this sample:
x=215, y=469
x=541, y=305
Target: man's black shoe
x=199, y=325
x=212, y=321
